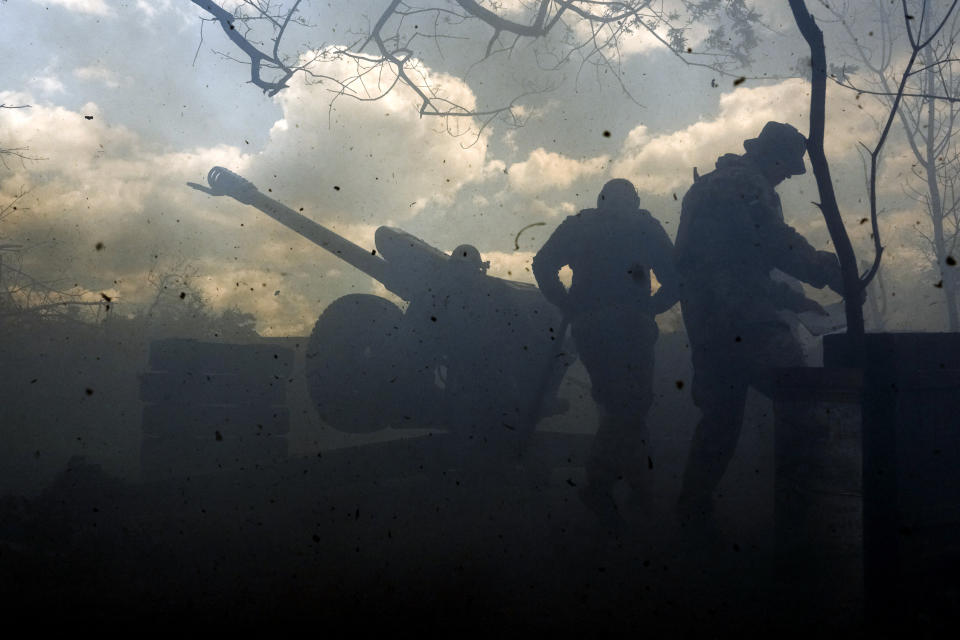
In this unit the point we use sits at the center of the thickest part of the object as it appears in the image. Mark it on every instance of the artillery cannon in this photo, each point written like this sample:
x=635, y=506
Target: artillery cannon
x=469, y=348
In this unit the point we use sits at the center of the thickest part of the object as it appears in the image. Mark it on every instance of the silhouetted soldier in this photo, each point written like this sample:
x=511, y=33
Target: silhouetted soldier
x=611, y=250
x=467, y=337
x=731, y=235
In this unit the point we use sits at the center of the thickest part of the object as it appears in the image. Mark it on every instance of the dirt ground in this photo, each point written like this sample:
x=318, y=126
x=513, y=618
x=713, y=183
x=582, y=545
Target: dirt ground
x=444, y=552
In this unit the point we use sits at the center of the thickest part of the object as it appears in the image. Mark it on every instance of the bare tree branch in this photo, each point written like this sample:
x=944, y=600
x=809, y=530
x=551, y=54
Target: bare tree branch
x=19, y=153
x=589, y=30
x=927, y=113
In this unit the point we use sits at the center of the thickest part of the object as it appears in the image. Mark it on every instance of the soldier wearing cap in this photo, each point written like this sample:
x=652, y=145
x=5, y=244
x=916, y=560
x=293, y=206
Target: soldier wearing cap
x=611, y=251
x=732, y=234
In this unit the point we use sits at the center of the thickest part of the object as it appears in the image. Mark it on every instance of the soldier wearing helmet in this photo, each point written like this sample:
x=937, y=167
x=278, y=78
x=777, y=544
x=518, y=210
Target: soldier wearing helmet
x=466, y=258
x=732, y=234
x=462, y=329
x=611, y=251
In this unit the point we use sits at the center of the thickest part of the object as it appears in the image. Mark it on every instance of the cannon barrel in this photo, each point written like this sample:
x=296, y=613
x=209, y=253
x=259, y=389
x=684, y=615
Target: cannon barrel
x=373, y=365
x=225, y=182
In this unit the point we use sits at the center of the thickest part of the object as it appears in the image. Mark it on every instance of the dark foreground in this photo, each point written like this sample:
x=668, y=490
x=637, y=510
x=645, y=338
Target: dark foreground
x=505, y=551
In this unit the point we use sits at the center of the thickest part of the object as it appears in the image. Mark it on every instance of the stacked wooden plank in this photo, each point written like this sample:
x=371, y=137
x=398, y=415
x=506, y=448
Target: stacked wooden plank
x=213, y=406
x=818, y=488
x=911, y=471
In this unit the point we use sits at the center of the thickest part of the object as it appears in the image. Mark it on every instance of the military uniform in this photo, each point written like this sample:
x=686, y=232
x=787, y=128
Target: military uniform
x=470, y=335
x=731, y=235
x=611, y=252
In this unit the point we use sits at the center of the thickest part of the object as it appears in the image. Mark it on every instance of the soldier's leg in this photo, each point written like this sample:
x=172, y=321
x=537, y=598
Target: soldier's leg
x=618, y=354
x=636, y=457
x=720, y=393
x=593, y=346
x=620, y=450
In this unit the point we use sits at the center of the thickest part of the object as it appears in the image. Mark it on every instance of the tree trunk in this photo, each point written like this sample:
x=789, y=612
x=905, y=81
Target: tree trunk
x=949, y=279
x=821, y=169
x=936, y=201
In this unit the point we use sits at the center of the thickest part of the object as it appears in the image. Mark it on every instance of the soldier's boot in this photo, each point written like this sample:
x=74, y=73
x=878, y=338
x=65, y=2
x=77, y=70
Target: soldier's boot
x=711, y=450
x=602, y=475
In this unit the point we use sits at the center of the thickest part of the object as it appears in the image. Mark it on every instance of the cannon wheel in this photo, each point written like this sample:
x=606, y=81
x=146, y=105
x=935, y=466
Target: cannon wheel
x=351, y=373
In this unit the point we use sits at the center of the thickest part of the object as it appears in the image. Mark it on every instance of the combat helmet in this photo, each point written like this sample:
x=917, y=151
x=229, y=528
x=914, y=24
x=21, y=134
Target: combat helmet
x=468, y=257
x=618, y=193
x=779, y=143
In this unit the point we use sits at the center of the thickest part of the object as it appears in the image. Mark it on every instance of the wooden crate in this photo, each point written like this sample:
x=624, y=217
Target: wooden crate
x=213, y=406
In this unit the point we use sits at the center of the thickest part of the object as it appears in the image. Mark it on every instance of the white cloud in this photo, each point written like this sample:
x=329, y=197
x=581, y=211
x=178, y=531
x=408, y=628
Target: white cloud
x=511, y=266
x=103, y=166
x=104, y=76
x=538, y=209
x=545, y=170
x=153, y=7
x=97, y=184
x=518, y=266
x=625, y=45
x=663, y=163
x=104, y=184
x=93, y=7
x=376, y=160
x=46, y=84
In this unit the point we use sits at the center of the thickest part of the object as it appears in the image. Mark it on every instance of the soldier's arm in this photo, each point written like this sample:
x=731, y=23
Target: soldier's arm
x=662, y=263
x=790, y=252
x=552, y=257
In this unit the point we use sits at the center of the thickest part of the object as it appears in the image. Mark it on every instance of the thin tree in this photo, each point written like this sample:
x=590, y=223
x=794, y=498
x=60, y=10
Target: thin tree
x=179, y=308
x=928, y=114
x=922, y=29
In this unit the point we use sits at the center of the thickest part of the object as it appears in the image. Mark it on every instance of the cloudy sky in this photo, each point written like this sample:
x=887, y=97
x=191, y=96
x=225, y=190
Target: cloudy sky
x=131, y=99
